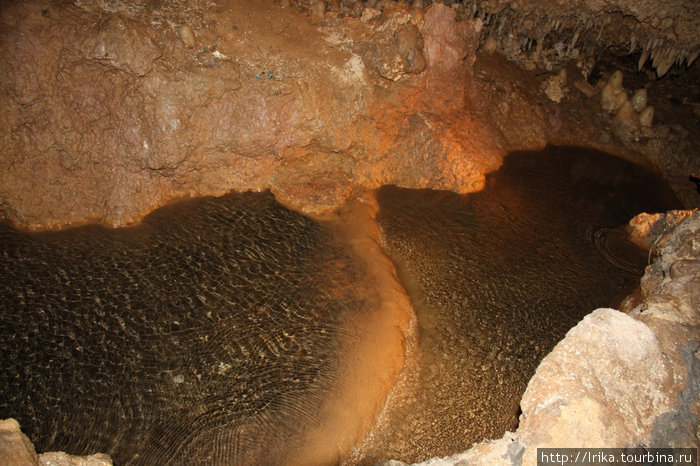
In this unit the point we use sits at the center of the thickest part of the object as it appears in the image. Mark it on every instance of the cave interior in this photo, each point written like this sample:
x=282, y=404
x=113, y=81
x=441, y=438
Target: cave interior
x=405, y=205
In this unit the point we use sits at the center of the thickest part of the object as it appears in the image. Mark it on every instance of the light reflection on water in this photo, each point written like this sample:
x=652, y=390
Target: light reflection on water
x=212, y=331
x=496, y=279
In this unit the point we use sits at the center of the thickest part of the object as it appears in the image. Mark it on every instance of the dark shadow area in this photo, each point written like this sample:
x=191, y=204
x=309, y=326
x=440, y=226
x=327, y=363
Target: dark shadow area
x=498, y=277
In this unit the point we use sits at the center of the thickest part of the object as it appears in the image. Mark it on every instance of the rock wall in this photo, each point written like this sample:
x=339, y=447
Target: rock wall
x=658, y=32
x=617, y=379
x=113, y=109
x=662, y=33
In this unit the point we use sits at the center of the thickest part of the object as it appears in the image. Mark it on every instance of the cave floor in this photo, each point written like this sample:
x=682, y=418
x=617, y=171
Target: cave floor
x=235, y=330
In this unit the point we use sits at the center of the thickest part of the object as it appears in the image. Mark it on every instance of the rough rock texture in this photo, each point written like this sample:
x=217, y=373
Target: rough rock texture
x=616, y=379
x=17, y=450
x=15, y=447
x=63, y=459
x=604, y=384
x=113, y=109
x=647, y=229
x=661, y=32
x=671, y=308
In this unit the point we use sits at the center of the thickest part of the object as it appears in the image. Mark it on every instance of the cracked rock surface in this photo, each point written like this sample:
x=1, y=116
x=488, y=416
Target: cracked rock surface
x=111, y=111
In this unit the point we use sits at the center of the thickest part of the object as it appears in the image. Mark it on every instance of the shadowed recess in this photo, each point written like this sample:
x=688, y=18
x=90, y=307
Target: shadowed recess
x=209, y=333
x=496, y=279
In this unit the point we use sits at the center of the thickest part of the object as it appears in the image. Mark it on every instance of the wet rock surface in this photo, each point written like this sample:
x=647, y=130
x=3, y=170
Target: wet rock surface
x=496, y=279
x=216, y=331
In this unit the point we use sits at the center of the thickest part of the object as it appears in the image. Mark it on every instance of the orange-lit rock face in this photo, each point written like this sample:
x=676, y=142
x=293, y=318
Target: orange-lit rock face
x=109, y=113
x=105, y=125
x=450, y=49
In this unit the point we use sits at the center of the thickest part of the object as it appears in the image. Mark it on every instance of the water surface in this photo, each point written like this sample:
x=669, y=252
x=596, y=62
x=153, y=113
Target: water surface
x=214, y=332
x=496, y=279
x=230, y=330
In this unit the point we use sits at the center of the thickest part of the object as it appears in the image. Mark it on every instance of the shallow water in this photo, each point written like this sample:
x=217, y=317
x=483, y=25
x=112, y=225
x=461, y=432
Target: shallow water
x=496, y=279
x=233, y=330
x=214, y=332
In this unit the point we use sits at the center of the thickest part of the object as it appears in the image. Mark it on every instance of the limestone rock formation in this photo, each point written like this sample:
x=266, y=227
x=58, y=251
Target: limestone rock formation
x=604, y=384
x=112, y=110
x=15, y=447
x=63, y=459
x=17, y=450
x=661, y=32
x=647, y=229
x=618, y=380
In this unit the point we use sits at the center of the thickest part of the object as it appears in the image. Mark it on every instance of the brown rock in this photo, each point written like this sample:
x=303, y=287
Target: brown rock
x=125, y=45
x=585, y=88
x=395, y=47
x=64, y=459
x=552, y=88
x=647, y=229
x=110, y=112
x=450, y=51
x=15, y=447
x=106, y=136
x=129, y=116
x=661, y=31
x=671, y=285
